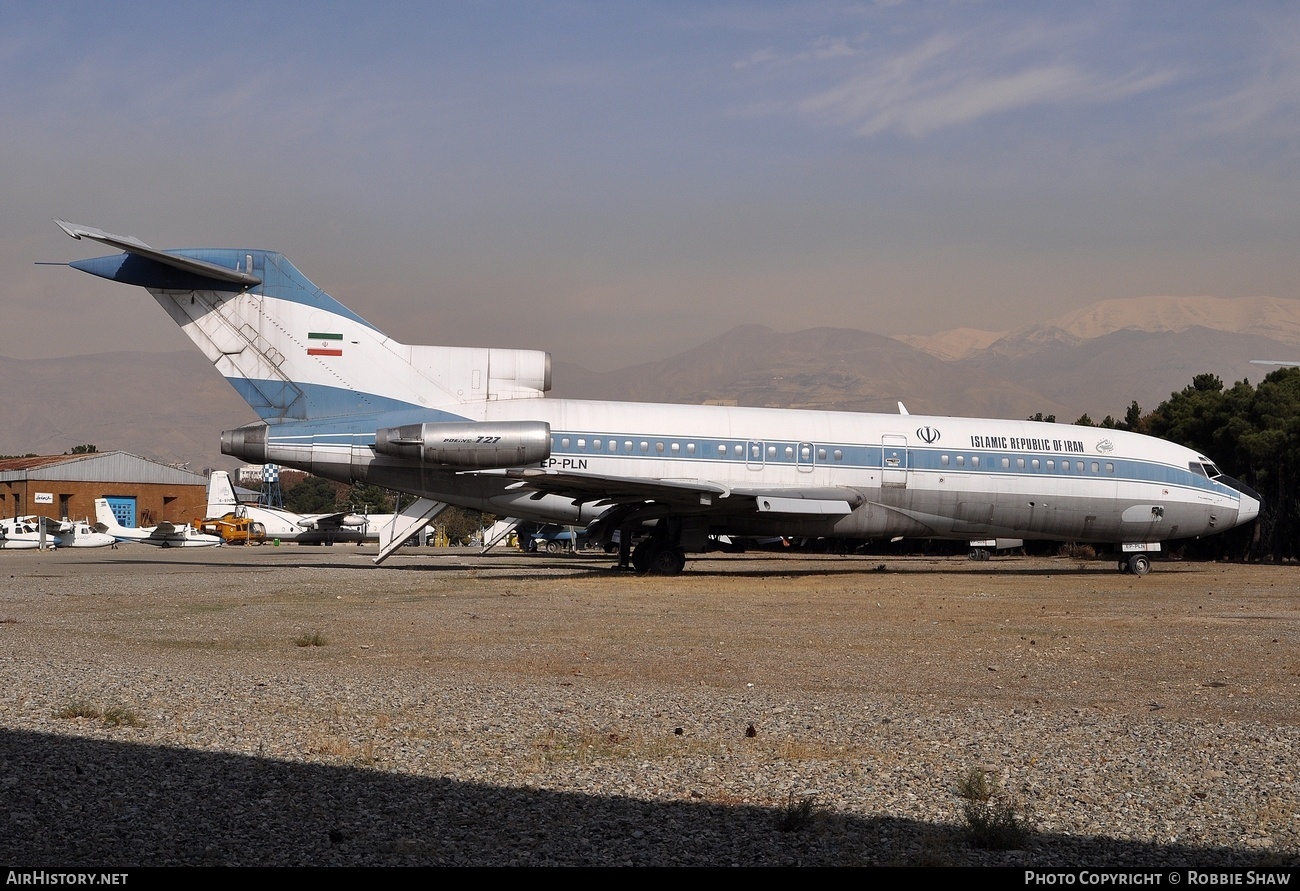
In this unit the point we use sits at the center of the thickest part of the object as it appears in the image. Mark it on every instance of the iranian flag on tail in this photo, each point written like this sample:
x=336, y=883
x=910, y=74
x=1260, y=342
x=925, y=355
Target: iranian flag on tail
x=324, y=344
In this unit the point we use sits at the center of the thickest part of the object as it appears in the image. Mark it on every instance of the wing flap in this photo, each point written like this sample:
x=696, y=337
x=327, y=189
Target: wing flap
x=692, y=493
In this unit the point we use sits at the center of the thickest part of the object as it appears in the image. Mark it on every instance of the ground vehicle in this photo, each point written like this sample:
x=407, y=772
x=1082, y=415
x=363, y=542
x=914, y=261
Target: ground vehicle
x=233, y=530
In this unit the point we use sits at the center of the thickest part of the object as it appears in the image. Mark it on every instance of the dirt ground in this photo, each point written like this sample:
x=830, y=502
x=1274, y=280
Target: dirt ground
x=1212, y=641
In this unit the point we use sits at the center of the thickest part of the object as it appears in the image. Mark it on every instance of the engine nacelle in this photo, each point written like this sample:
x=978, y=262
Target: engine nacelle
x=466, y=445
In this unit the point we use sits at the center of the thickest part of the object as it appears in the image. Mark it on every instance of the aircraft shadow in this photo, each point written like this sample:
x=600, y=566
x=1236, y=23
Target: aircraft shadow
x=76, y=802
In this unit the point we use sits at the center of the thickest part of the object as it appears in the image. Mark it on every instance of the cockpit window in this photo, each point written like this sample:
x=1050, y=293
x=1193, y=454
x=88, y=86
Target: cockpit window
x=1206, y=470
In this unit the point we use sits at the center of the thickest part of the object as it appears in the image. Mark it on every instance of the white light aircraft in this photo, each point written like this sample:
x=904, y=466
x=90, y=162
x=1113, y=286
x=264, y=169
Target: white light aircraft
x=24, y=534
x=471, y=426
x=289, y=526
x=164, y=535
x=80, y=534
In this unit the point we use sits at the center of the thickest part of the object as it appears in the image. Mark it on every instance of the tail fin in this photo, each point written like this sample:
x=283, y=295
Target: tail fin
x=294, y=352
x=221, y=495
x=105, y=520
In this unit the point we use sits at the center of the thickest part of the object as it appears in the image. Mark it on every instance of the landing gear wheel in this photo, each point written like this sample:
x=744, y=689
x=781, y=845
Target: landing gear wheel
x=978, y=554
x=665, y=559
x=641, y=555
x=1139, y=564
x=552, y=547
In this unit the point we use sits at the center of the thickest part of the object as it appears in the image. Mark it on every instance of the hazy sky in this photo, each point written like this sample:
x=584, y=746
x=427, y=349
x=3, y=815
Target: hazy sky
x=617, y=182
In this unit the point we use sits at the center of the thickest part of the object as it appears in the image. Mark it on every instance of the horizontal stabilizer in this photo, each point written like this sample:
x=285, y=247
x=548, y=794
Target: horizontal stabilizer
x=176, y=261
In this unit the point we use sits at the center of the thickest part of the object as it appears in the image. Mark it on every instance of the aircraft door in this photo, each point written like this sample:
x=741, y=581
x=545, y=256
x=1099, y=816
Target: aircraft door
x=894, y=461
x=754, y=455
x=804, y=457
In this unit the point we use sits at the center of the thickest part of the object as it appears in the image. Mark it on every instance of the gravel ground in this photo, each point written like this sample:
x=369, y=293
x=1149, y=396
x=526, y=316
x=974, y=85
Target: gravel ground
x=292, y=706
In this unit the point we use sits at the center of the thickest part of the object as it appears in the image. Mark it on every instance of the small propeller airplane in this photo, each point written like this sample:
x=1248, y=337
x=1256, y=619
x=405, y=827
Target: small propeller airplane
x=24, y=534
x=80, y=534
x=164, y=535
x=285, y=524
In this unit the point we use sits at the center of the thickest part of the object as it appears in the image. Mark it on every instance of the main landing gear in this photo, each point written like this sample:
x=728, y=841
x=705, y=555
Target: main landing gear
x=1136, y=564
x=661, y=553
x=656, y=557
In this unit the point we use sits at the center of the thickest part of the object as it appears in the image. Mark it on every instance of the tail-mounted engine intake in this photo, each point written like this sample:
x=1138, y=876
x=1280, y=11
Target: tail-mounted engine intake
x=467, y=445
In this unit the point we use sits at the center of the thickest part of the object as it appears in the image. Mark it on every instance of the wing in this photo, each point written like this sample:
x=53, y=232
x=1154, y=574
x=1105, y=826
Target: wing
x=702, y=496
x=331, y=521
x=163, y=529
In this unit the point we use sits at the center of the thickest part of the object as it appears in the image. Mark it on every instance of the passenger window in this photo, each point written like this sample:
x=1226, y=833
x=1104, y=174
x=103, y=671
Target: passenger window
x=627, y=446
x=676, y=447
x=722, y=448
x=839, y=456
x=1020, y=463
x=645, y=446
x=1110, y=468
x=805, y=453
x=789, y=452
x=771, y=452
x=1033, y=463
x=1051, y=465
x=582, y=443
x=1078, y=465
x=1006, y=462
x=961, y=460
x=821, y=454
x=1095, y=467
x=974, y=460
x=596, y=444
x=564, y=443
x=943, y=459
x=659, y=447
x=739, y=450
x=690, y=448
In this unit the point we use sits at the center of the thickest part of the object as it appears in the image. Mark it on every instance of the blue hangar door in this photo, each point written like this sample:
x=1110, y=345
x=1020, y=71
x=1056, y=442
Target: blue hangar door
x=123, y=507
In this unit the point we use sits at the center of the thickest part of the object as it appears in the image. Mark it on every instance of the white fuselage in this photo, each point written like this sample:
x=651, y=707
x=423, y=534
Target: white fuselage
x=920, y=476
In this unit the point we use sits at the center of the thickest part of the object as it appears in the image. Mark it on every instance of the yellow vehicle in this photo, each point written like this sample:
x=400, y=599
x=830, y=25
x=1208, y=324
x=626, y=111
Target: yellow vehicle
x=234, y=530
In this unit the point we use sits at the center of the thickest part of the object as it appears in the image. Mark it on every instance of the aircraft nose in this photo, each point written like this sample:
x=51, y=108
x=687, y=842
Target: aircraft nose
x=1249, y=509
x=1251, y=501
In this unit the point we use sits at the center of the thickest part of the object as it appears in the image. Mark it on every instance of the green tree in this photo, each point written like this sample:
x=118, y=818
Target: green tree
x=460, y=524
x=364, y=498
x=314, y=495
x=87, y=449
x=1133, y=418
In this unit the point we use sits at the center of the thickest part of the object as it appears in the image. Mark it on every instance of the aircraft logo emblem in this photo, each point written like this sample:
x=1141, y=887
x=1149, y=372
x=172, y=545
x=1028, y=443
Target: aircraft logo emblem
x=928, y=434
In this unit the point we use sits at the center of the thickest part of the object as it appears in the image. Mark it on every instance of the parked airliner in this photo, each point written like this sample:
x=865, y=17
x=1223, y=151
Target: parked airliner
x=471, y=426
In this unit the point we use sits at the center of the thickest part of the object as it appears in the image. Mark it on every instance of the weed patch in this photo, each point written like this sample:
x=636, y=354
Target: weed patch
x=797, y=813
x=310, y=639
x=993, y=820
x=121, y=716
x=79, y=708
x=113, y=716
